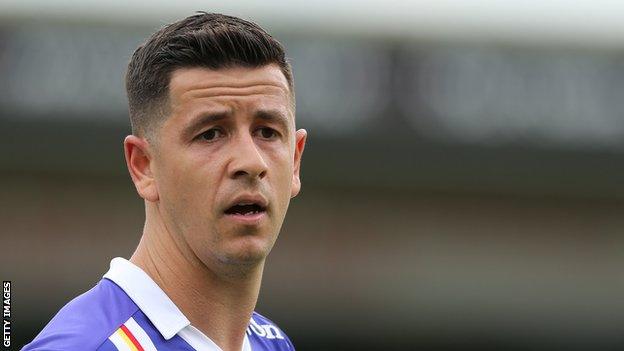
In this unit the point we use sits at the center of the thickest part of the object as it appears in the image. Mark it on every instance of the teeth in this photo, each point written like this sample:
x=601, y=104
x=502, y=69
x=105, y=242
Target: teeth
x=249, y=213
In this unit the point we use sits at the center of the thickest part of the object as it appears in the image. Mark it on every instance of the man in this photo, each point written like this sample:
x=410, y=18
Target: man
x=215, y=155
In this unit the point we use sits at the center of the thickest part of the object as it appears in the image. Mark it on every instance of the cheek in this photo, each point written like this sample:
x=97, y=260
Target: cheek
x=190, y=182
x=282, y=167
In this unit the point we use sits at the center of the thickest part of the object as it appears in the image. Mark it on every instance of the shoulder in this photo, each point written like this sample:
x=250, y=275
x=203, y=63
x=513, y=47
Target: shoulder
x=86, y=321
x=266, y=335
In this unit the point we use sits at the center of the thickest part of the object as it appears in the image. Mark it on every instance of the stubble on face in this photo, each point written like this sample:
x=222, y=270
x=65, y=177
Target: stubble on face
x=198, y=178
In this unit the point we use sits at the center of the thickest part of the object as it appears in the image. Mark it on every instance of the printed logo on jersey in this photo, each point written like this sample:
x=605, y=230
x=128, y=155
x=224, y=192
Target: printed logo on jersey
x=131, y=337
x=265, y=330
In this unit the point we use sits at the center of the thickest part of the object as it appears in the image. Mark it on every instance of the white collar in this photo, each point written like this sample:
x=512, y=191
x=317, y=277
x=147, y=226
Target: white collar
x=157, y=306
x=150, y=298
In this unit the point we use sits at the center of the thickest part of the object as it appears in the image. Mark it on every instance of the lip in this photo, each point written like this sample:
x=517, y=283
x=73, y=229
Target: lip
x=248, y=198
x=252, y=219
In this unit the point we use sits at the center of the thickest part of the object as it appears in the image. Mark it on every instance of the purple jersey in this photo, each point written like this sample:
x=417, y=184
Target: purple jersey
x=126, y=310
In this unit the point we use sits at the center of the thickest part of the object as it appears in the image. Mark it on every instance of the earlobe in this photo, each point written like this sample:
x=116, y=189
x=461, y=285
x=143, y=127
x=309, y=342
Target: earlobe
x=300, y=140
x=138, y=161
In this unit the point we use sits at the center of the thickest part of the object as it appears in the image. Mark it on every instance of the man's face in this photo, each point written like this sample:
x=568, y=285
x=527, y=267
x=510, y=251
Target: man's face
x=226, y=161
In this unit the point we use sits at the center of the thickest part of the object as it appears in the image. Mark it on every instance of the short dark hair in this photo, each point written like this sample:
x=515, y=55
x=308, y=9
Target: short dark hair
x=208, y=40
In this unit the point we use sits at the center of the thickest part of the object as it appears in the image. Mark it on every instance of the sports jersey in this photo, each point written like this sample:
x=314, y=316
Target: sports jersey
x=128, y=311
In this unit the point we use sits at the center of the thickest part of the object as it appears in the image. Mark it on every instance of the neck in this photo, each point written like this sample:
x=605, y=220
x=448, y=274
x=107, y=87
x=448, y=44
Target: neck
x=219, y=301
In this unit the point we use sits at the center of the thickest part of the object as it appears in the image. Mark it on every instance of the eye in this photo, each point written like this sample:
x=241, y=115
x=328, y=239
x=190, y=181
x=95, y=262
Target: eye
x=267, y=133
x=211, y=134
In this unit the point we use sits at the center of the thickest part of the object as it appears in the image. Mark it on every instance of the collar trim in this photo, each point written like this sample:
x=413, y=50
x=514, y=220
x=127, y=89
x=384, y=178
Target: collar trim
x=150, y=298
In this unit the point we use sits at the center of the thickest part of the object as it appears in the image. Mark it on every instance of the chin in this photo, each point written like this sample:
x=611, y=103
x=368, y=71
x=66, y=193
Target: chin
x=247, y=251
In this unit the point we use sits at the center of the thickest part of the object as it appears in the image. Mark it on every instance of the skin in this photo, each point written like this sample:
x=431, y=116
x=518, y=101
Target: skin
x=231, y=132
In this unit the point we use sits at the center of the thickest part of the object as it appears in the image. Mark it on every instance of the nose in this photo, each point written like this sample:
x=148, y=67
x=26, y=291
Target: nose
x=247, y=161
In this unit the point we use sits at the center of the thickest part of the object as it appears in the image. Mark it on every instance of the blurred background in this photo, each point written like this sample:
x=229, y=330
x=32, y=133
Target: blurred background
x=462, y=184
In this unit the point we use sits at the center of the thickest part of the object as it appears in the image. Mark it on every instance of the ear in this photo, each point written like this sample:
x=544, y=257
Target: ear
x=139, y=163
x=300, y=140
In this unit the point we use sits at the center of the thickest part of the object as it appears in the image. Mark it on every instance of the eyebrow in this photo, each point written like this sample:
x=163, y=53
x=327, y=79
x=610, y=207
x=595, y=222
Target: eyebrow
x=204, y=119
x=274, y=116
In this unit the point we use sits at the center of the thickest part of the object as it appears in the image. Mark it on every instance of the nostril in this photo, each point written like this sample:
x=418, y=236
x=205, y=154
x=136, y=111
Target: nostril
x=248, y=173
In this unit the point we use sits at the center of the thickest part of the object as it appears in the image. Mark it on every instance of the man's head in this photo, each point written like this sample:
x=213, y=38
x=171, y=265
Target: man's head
x=207, y=40
x=215, y=152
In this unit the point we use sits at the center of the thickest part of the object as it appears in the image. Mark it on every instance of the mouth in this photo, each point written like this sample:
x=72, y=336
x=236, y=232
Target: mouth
x=247, y=209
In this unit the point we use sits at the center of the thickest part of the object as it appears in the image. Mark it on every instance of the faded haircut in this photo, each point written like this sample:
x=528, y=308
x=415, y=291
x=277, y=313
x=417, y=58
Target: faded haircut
x=207, y=40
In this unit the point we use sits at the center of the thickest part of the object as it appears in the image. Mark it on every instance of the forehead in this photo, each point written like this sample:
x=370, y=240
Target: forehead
x=188, y=84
